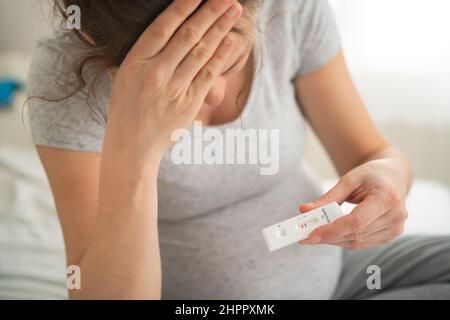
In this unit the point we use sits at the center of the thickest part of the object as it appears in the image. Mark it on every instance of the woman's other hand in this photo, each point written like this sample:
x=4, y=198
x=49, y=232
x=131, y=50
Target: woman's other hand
x=379, y=190
x=163, y=81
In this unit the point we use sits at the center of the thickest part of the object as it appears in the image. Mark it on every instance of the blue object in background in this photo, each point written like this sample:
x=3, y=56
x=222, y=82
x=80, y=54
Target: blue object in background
x=7, y=89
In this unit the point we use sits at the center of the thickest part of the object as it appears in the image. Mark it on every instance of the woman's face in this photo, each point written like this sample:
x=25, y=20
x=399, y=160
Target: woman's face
x=244, y=38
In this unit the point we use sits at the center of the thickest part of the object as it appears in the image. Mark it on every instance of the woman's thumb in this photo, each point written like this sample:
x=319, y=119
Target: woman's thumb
x=339, y=193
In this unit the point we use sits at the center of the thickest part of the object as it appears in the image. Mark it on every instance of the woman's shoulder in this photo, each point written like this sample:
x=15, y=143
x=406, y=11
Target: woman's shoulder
x=59, y=41
x=54, y=54
x=293, y=8
x=301, y=17
x=75, y=122
x=304, y=32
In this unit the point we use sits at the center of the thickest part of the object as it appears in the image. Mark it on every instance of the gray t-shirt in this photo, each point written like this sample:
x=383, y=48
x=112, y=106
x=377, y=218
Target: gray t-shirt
x=211, y=216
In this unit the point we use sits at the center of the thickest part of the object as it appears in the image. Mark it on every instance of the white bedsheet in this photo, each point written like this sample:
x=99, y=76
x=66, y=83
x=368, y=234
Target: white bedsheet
x=32, y=258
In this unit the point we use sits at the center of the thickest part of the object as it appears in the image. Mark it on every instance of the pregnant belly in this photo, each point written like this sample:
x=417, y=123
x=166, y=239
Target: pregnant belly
x=223, y=255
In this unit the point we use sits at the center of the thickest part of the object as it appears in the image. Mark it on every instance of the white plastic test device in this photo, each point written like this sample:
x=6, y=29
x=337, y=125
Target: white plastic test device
x=300, y=227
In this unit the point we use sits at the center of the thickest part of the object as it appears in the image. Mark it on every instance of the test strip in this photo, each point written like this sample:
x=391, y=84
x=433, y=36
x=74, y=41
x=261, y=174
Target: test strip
x=300, y=227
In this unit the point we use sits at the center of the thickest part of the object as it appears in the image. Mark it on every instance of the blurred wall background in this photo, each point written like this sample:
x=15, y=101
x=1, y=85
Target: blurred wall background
x=399, y=55
x=21, y=23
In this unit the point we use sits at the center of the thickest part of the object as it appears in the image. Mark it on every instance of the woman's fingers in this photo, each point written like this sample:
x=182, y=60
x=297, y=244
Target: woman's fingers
x=394, y=217
x=193, y=30
x=374, y=206
x=204, y=80
x=158, y=34
x=206, y=48
x=339, y=193
x=378, y=238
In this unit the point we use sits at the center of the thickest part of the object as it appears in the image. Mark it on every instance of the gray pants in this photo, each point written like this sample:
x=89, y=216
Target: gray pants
x=410, y=268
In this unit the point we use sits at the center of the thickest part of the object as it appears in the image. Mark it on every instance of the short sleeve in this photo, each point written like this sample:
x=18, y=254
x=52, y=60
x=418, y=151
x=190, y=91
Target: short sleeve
x=317, y=36
x=76, y=123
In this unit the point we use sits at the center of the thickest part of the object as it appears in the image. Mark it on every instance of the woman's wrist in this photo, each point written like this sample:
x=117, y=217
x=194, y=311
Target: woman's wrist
x=130, y=170
x=129, y=189
x=135, y=161
x=398, y=162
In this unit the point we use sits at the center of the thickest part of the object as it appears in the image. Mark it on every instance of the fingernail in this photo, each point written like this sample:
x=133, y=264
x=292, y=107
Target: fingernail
x=234, y=10
x=304, y=208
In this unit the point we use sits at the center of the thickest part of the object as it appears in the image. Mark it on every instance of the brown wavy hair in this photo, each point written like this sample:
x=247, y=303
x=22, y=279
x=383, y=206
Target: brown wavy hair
x=114, y=26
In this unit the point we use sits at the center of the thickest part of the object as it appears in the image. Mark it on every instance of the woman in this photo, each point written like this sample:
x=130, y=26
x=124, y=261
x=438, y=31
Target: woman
x=140, y=226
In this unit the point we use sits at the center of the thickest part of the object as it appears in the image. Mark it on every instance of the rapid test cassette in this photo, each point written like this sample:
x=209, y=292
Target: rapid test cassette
x=300, y=227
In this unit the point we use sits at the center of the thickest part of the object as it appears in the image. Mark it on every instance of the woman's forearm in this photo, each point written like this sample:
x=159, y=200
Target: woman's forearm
x=123, y=258
x=154, y=92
